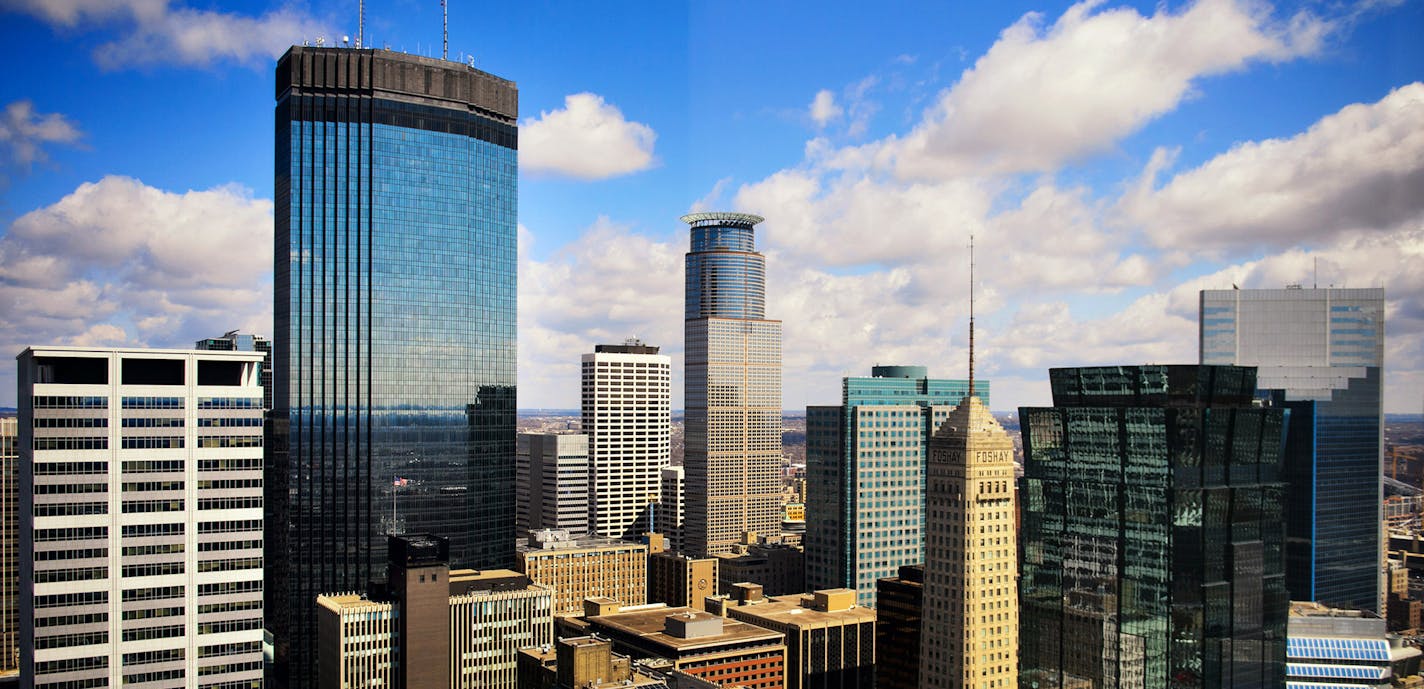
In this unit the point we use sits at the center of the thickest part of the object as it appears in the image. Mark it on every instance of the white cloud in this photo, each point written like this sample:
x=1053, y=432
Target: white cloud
x=588, y=139
x=868, y=267
x=608, y=285
x=117, y=262
x=713, y=198
x=1358, y=170
x=1043, y=96
x=24, y=132
x=824, y=108
x=160, y=32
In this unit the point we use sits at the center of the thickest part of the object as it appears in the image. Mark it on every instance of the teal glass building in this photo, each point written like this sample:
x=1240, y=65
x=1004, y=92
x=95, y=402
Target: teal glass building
x=1151, y=545
x=394, y=356
x=865, y=475
x=1320, y=353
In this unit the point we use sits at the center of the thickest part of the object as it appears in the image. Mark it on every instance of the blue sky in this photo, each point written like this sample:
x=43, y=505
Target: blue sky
x=1111, y=159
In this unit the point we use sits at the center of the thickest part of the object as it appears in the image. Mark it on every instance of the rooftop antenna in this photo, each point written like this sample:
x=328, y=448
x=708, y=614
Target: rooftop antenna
x=360, y=21
x=1315, y=281
x=971, y=314
x=444, y=30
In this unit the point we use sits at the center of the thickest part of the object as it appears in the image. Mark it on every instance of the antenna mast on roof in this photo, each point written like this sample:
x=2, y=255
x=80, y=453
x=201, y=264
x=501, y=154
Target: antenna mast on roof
x=360, y=21
x=444, y=30
x=971, y=314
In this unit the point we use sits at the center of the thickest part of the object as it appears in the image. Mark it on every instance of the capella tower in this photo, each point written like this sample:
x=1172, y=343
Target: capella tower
x=733, y=394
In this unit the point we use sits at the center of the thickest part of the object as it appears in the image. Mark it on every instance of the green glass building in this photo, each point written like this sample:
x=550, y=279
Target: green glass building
x=1153, y=531
x=865, y=475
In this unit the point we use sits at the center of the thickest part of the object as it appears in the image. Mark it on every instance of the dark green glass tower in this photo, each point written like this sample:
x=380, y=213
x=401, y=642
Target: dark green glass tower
x=1153, y=530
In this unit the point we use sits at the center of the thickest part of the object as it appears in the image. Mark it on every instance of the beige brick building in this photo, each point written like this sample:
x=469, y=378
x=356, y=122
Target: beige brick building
x=578, y=568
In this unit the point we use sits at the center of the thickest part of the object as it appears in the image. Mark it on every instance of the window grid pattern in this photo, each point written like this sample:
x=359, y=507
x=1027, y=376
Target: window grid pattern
x=394, y=345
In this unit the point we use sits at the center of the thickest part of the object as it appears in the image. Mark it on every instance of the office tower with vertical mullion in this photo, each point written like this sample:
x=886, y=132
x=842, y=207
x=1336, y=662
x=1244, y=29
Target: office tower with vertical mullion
x=733, y=388
x=1320, y=355
x=865, y=475
x=394, y=356
x=140, y=518
x=627, y=415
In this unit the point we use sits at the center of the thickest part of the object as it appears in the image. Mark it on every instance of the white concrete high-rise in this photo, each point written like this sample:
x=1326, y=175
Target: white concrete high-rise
x=627, y=416
x=671, y=508
x=141, y=513
x=733, y=387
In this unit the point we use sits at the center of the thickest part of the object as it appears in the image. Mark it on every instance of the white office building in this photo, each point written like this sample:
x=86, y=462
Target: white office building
x=140, y=517
x=670, y=508
x=627, y=416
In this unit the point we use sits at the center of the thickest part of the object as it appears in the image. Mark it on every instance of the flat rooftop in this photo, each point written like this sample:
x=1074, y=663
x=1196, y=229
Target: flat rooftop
x=349, y=602
x=649, y=626
x=583, y=543
x=788, y=610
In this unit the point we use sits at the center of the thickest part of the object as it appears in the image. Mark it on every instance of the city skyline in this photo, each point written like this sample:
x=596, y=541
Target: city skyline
x=1244, y=145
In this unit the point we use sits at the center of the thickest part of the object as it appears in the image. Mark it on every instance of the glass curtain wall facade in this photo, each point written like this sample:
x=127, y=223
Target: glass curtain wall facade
x=1320, y=353
x=865, y=475
x=1152, y=531
x=733, y=388
x=394, y=351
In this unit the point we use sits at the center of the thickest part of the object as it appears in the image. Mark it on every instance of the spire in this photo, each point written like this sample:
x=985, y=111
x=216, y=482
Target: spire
x=971, y=314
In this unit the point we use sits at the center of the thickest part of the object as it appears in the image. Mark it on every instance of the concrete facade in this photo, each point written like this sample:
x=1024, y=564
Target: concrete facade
x=431, y=627
x=551, y=475
x=678, y=580
x=830, y=640
x=627, y=414
x=140, y=516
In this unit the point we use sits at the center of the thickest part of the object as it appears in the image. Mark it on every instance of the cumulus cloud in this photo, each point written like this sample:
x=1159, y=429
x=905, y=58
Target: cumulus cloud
x=24, y=133
x=639, y=283
x=117, y=262
x=1052, y=238
x=824, y=108
x=867, y=267
x=1045, y=95
x=161, y=32
x=713, y=198
x=1358, y=170
x=588, y=139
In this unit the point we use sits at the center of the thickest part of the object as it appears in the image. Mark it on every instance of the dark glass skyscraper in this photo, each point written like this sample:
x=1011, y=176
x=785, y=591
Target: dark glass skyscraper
x=395, y=324
x=1152, y=533
x=1320, y=353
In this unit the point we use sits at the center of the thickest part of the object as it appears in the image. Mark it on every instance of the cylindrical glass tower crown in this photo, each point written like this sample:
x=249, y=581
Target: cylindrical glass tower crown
x=726, y=277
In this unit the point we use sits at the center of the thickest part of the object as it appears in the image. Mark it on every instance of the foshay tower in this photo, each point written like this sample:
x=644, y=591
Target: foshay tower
x=971, y=616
